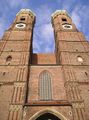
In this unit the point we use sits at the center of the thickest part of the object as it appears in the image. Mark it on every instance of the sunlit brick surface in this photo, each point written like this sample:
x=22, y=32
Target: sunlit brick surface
x=66, y=78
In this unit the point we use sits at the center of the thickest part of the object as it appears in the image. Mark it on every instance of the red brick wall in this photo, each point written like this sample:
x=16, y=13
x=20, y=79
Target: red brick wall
x=57, y=82
x=43, y=59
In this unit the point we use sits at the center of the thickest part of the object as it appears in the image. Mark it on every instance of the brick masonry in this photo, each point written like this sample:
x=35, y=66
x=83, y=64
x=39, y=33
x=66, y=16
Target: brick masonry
x=20, y=70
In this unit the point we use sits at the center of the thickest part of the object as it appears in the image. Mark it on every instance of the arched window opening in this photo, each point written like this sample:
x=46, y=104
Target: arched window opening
x=22, y=19
x=86, y=76
x=4, y=73
x=9, y=58
x=45, y=87
x=77, y=50
x=64, y=19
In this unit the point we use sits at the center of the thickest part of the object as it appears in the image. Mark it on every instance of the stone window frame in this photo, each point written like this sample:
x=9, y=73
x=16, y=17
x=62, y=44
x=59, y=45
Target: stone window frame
x=45, y=85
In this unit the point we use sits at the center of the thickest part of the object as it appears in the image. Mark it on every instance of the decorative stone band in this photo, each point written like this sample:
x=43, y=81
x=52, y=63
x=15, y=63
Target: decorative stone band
x=71, y=83
x=79, y=110
x=49, y=103
x=78, y=105
x=15, y=112
x=22, y=71
x=18, y=96
x=15, y=107
x=59, y=12
x=26, y=11
x=19, y=84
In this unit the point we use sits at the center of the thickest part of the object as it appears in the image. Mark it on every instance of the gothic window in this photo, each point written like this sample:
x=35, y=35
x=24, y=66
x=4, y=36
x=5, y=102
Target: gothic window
x=45, y=87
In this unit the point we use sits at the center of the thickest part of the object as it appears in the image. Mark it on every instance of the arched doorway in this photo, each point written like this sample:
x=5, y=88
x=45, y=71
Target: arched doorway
x=48, y=116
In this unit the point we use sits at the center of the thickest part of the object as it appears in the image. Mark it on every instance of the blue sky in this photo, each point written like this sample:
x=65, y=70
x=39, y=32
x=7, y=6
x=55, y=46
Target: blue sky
x=43, y=38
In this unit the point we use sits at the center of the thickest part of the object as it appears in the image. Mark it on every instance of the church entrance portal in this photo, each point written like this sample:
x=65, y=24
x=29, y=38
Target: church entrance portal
x=48, y=116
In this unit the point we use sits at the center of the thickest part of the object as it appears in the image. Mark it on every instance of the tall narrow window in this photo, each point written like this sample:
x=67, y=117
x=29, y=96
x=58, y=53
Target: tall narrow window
x=45, y=88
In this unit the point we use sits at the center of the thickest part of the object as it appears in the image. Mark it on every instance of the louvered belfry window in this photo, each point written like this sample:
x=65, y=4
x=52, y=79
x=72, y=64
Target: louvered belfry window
x=45, y=87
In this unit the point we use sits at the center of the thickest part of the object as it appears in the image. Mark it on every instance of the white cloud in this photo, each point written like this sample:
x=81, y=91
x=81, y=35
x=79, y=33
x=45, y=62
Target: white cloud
x=79, y=13
x=43, y=33
x=2, y=26
x=66, y=4
x=36, y=44
x=16, y=3
x=76, y=18
x=43, y=39
x=44, y=36
x=46, y=31
x=43, y=14
x=1, y=30
x=80, y=16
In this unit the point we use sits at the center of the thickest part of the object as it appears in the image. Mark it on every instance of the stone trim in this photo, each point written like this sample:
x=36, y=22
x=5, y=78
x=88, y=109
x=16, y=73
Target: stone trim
x=52, y=111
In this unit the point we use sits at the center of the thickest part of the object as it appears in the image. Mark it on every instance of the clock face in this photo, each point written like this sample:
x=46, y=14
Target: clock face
x=67, y=26
x=20, y=25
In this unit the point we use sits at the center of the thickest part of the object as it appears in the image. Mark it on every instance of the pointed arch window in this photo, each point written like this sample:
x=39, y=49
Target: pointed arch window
x=45, y=87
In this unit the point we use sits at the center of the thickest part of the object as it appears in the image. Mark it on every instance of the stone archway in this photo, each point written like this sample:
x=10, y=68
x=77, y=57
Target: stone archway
x=52, y=112
x=48, y=116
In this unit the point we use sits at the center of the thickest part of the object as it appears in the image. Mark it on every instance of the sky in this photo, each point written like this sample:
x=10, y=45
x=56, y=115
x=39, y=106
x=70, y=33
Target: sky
x=43, y=36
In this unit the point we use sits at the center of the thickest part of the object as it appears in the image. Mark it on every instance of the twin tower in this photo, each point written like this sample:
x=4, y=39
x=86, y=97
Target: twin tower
x=44, y=86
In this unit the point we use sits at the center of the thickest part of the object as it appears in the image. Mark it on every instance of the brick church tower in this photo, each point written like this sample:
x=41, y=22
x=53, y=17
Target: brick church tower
x=51, y=86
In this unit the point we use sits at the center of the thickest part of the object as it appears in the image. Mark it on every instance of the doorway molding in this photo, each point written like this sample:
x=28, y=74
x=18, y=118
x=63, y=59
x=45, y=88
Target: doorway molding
x=51, y=111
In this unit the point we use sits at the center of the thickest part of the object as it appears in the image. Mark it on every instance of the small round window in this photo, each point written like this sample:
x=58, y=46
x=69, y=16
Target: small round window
x=67, y=26
x=20, y=25
x=80, y=59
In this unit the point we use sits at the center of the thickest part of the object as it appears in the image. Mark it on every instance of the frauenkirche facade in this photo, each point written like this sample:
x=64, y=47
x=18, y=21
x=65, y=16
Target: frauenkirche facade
x=44, y=86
